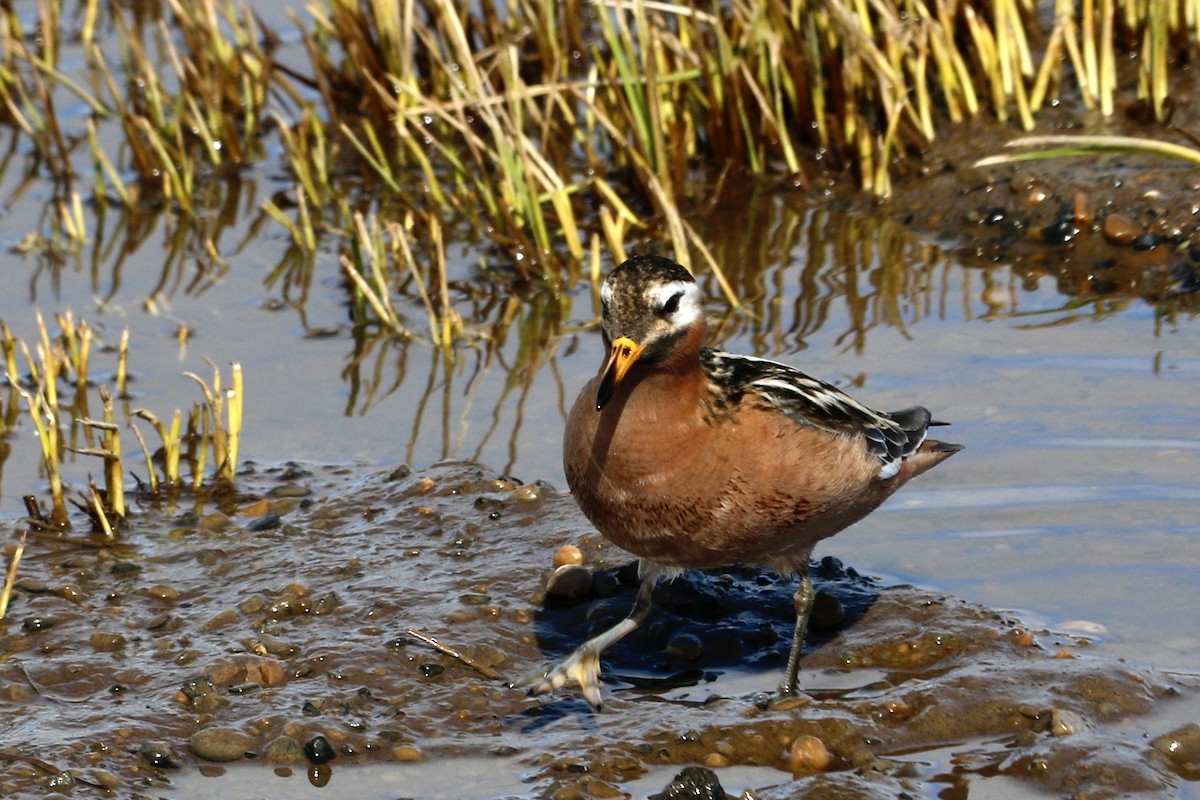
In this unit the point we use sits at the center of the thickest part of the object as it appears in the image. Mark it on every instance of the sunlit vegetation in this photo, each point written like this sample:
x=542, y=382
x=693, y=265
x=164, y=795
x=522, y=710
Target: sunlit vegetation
x=52, y=385
x=547, y=132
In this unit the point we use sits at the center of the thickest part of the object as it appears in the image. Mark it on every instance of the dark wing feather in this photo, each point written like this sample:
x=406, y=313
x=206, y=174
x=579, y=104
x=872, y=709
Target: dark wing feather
x=812, y=402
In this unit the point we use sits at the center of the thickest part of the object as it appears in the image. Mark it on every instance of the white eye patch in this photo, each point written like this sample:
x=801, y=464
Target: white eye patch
x=689, y=309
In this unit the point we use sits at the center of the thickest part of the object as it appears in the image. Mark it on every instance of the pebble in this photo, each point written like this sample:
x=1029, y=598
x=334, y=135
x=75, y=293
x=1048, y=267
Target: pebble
x=1148, y=241
x=319, y=750
x=167, y=594
x=407, y=754
x=221, y=620
x=159, y=755
x=214, y=523
x=221, y=744
x=570, y=583
x=529, y=493
x=70, y=592
x=807, y=755
x=685, y=647
x=107, y=642
x=283, y=751
x=827, y=612
x=693, y=783
x=264, y=523
x=568, y=554
x=1065, y=723
x=1120, y=229
x=1181, y=746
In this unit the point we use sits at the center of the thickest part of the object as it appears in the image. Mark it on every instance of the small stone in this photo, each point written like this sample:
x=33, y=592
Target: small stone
x=1065, y=723
x=159, y=755
x=1120, y=229
x=685, y=647
x=221, y=744
x=568, y=554
x=827, y=612
x=264, y=523
x=570, y=583
x=1060, y=231
x=715, y=761
x=693, y=783
x=788, y=703
x=407, y=754
x=529, y=493
x=808, y=755
x=283, y=751
x=220, y=620
x=319, y=750
x=1148, y=241
x=70, y=592
x=214, y=523
x=106, y=642
x=167, y=594
x=1181, y=746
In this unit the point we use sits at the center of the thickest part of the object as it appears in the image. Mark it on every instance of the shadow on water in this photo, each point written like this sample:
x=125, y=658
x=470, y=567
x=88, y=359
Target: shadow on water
x=703, y=623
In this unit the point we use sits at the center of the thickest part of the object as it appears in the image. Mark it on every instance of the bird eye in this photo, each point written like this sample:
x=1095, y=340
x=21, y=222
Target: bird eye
x=672, y=304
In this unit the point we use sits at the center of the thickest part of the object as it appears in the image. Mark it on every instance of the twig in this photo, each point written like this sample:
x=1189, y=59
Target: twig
x=482, y=669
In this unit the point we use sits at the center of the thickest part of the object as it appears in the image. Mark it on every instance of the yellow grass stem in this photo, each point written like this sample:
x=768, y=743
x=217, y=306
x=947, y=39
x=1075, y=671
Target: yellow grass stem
x=10, y=575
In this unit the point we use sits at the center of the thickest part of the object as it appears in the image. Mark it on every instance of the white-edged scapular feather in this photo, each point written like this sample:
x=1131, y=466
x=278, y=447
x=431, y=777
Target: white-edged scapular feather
x=891, y=437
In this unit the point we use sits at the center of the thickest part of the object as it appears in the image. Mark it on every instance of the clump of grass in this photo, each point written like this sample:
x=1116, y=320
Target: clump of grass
x=543, y=131
x=66, y=356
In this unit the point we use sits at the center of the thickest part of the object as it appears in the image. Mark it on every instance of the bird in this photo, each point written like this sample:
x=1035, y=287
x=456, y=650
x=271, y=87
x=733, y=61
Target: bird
x=689, y=457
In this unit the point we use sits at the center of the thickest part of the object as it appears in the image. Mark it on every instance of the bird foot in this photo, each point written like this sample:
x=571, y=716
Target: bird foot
x=581, y=668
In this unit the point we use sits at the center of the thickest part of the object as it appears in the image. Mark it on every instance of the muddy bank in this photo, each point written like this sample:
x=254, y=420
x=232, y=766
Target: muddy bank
x=287, y=632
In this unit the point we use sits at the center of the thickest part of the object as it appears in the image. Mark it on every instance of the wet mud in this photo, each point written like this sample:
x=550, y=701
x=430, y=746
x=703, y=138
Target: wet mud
x=291, y=634
x=1108, y=228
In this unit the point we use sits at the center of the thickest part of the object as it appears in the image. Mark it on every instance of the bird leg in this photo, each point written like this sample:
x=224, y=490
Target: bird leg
x=803, y=602
x=582, y=667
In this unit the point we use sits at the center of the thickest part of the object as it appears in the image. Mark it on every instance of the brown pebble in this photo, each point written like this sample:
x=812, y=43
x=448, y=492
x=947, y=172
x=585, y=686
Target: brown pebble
x=284, y=750
x=568, y=554
x=265, y=672
x=807, y=755
x=715, y=761
x=214, y=523
x=407, y=754
x=1083, y=214
x=1064, y=654
x=221, y=744
x=70, y=592
x=256, y=509
x=602, y=790
x=107, y=642
x=422, y=486
x=1065, y=723
x=791, y=703
x=1181, y=746
x=167, y=594
x=1120, y=229
x=1025, y=639
x=221, y=620
x=529, y=493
